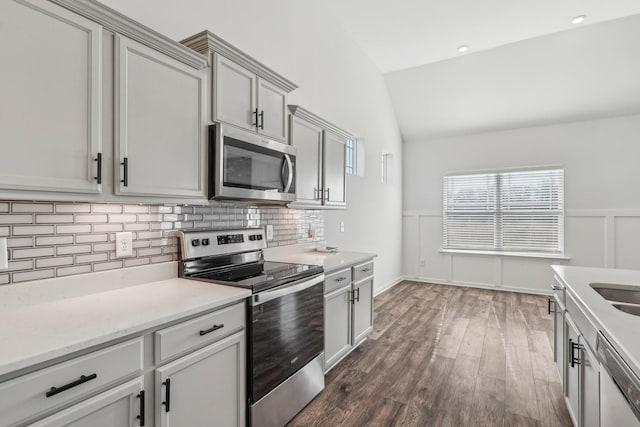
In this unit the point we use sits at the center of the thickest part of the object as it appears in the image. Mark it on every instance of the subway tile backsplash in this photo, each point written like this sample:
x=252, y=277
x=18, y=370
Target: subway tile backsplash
x=56, y=239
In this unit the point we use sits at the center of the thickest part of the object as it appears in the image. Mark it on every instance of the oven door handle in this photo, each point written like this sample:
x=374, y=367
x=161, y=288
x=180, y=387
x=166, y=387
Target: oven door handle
x=262, y=297
x=289, y=179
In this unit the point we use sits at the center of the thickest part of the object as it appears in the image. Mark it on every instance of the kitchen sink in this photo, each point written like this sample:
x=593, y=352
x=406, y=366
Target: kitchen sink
x=625, y=298
x=628, y=308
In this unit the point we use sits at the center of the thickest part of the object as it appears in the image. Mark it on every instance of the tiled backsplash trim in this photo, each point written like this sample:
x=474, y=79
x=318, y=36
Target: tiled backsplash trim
x=56, y=239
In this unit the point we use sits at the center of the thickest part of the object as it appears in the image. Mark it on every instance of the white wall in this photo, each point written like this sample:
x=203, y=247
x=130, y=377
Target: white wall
x=337, y=81
x=601, y=159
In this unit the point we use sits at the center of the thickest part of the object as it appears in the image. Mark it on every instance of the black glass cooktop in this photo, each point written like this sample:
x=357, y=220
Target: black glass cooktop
x=259, y=276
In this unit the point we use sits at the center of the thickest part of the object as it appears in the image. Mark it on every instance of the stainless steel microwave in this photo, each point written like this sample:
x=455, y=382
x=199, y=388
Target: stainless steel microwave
x=246, y=166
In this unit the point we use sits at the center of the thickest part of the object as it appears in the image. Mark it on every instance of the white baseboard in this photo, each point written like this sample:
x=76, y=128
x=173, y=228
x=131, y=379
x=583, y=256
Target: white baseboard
x=480, y=285
x=388, y=286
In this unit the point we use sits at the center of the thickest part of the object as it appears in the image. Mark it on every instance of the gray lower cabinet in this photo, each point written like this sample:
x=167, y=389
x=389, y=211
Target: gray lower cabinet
x=206, y=387
x=348, y=311
x=119, y=406
x=337, y=335
x=576, y=359
x=362, y=310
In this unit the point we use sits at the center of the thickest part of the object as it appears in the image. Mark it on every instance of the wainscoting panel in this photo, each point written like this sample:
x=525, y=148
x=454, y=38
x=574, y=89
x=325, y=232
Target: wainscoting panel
x=593, y=238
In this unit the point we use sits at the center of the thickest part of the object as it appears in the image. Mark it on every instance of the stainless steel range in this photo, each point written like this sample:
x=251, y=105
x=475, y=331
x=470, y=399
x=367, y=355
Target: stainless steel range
x=285, y=317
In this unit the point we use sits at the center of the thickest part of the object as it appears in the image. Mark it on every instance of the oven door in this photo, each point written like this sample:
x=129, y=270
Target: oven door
x=246, y=166
x=285, y=333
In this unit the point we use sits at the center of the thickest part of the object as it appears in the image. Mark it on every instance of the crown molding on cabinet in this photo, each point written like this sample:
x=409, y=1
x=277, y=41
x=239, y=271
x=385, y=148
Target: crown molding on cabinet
x=310, y=117
x=206, y=42
x=118, y=23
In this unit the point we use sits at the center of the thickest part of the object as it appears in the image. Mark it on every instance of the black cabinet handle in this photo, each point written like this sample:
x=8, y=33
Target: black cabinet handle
x=125, y=174
x=549, y=302
x=255, y=121
x=573, y=346
x=83, y=379
x=261, y=119
x=167, y=395
x=341, y=279
x=365, y=270
x=141, y=416
x=214, y=328
x=357, y=294
x=99, y=168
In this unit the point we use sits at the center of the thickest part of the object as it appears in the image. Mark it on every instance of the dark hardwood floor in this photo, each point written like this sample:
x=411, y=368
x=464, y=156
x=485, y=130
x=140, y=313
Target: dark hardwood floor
x=447, y=356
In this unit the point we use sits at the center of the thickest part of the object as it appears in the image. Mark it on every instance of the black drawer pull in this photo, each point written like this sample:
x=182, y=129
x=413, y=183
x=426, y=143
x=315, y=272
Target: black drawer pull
x=214, y=328
x=257, y=123
x=261, y=119
x=341, y=279
x=573, y=347
x=83, y=379
x=357, y=296
x=141, y=416
x=549, y=302
x=167, y=395
x=365, y=270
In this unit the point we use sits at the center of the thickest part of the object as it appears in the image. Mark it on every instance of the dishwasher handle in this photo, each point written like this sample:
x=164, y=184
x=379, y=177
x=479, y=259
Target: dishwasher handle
x=621, y=374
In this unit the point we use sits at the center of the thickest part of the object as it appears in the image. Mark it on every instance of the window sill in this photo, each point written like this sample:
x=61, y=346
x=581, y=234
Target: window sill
x=507, y=254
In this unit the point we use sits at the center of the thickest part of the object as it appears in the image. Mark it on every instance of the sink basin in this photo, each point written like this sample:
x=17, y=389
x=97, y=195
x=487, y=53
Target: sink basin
x=618, y=293
x=628, y=308
x=625, y=298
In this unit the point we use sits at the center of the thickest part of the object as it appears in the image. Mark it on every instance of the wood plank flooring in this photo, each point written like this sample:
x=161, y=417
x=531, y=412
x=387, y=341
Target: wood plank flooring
x=447, y=356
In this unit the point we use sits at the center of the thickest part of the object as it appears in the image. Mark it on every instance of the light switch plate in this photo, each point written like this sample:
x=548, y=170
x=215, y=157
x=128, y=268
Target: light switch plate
x=342, y=226
x=4, y=254
x=124, y=244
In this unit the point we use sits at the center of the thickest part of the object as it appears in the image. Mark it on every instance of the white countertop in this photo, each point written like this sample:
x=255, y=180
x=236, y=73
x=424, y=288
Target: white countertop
x=40, y=332
x=331, y=261
x=622, y=329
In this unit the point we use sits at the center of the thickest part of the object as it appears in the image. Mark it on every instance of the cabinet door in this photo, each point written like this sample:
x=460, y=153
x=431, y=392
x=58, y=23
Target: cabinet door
x=362, y=310
x=50, y=113
x=204, y=388
x=572, y=377
x=120, y=406
x=160, y=131
x=558, y=339
x=272, y=106
x=337, y=325
x=590, y=380
x=307, y=138
x=234, y=97
x=334, y=170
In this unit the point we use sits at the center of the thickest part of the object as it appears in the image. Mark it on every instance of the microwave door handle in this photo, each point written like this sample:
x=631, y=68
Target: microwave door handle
x=289, y=179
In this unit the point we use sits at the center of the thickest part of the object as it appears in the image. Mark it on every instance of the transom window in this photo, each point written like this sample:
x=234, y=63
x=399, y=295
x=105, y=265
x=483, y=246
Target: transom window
x=510, y=211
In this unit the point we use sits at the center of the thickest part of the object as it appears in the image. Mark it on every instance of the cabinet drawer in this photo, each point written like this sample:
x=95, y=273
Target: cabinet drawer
x=195, y=333
x=26, y=396
x=337, y=280
x=362, y=271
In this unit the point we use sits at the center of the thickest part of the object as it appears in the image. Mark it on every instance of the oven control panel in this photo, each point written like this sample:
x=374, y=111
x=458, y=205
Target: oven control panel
x=201, y=243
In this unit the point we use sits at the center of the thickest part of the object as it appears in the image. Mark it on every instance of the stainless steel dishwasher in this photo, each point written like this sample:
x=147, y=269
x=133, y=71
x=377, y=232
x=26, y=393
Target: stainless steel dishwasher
x=619, y=388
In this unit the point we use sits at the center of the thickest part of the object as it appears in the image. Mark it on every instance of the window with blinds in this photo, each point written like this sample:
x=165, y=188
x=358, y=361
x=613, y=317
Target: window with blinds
x=516, y=211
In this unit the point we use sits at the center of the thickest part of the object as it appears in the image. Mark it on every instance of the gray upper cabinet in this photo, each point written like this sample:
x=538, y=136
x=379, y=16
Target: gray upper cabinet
x=246, y=93
x=160, y=117
x=334, y=170
x=50, y=110
x=85, y=87
x=308, y=142
x=318, y=142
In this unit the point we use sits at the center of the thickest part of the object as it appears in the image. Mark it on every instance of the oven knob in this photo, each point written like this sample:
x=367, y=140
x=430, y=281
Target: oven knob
x=195, y=242
x=252, y=237
x=259, y=236
x=205, y=242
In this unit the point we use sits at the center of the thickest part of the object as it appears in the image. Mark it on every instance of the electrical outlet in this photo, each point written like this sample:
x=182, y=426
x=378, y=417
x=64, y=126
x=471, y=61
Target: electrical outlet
x=269, y=232
x=342, y=226
x=4, y=254
x=124, y=244
x=312, y=232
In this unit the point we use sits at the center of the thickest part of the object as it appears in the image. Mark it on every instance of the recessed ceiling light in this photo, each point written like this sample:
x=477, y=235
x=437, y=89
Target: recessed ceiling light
x=578, y=19
x=463, y=48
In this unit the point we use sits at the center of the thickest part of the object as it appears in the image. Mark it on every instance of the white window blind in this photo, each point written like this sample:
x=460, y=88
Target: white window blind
x=519, y=211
